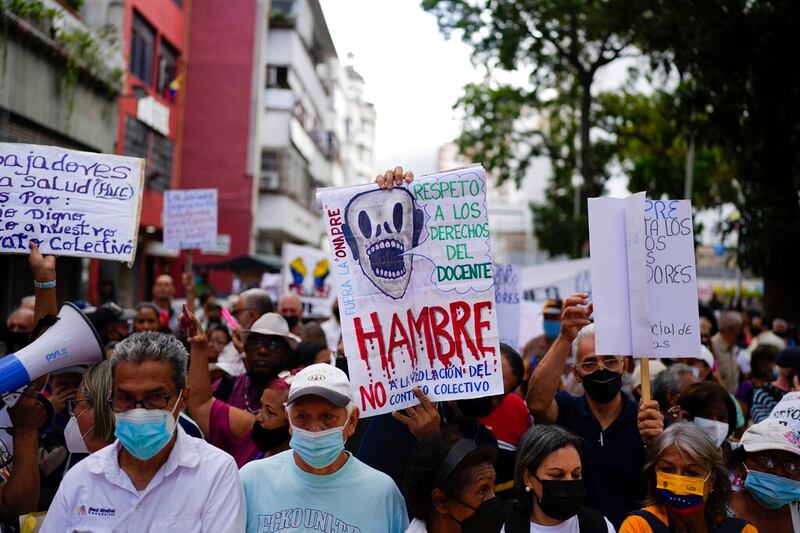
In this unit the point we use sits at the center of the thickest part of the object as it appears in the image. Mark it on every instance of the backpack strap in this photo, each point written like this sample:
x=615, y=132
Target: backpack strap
x=591, y=521
x=656, y=525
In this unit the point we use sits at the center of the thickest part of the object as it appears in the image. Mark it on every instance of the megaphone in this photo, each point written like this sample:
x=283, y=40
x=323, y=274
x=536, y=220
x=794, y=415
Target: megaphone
x=71, y=341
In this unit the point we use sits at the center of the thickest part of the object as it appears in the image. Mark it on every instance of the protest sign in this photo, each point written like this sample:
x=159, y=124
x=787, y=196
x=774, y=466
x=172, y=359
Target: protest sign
x=787, y=412
x=555, y=280
x=190, y=219
x=644, y=278
x=507, y=296
x=78, y=204
x=306, y=273
x=413, y=270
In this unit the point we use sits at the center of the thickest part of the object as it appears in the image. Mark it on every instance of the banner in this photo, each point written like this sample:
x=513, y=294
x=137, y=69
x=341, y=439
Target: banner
x=306, y=272
x=77, y=204
x=507, y=296
x=644, y=277
x=190, y=219
x=413, y=270
x=556, y=280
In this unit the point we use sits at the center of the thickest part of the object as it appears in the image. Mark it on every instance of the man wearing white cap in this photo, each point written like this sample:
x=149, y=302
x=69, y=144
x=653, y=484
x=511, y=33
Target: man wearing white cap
x=317, y=485
x=767, y=470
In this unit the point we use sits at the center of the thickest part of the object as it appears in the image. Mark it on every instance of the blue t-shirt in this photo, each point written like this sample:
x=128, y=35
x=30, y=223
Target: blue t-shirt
x=355, y=499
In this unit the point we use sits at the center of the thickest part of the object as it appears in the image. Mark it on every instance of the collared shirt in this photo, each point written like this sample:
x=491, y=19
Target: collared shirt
x=725, y=355
x=612, y=459
x=196, y=490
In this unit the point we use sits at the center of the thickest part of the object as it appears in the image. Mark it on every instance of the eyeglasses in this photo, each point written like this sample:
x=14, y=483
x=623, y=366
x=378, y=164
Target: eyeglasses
x=73, y=404
x=769, y=463
x=156, y=401
x=609, y=363
x=235, y=312
x=268, y=344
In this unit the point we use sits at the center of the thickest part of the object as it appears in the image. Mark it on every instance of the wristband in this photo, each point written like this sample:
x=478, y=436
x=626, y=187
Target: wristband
x=45, y=284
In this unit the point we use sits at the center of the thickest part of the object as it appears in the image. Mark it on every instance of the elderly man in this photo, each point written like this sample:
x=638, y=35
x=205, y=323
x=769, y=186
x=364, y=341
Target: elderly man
x=614, y=428
x=249, y=307
x=154, y=477
x=725, y=349
x=291, y=309
x=269, y=349
x=317, y=485
x=17, y=331
x=163, y=291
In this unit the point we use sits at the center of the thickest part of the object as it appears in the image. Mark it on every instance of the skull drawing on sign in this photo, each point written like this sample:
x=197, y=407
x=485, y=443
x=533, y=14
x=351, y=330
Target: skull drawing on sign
x=380, y=226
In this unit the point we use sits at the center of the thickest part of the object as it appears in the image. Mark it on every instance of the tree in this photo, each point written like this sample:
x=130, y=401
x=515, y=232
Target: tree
x=562, y=44
x=734, y=54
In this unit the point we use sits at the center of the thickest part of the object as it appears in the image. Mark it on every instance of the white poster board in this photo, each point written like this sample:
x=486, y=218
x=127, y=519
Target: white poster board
x=306, y=273
x=507, y=296
x=413, y=270
x=190, y=219
x=644, y=278
x=78, y=204
x=556, y=280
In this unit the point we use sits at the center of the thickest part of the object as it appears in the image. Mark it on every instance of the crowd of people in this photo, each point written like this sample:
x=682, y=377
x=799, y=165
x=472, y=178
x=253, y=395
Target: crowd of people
x=191, y=424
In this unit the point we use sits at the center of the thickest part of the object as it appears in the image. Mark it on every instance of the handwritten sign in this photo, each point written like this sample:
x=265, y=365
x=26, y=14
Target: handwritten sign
x=644, y=278
x=71, y=203
x=507, y=296
x=413, y=269
x=190, y=219
x=306, y=273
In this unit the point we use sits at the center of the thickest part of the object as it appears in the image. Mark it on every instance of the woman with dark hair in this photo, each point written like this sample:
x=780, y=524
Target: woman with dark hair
x=687, y=486
x=148, y=318
x=709, y=406
x=762, y=372
x=549, y=485
x=311, y=352
x=448, y=486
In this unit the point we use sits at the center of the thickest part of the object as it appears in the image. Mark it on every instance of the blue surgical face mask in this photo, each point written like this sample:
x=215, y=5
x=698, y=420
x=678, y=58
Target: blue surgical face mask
x=552, y=328
x=318, y=448
x=145, y=432
x=771, y=491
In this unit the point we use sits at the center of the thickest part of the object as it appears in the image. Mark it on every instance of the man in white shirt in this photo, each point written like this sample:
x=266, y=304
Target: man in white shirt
x=154, y=477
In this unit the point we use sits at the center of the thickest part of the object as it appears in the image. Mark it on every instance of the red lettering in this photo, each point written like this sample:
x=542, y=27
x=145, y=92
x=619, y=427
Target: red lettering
x=438, y=328
x=480, y=325
x=421, y=327
x=461, y=313
x=375, y=335
x=376, y=396
x=395, y=329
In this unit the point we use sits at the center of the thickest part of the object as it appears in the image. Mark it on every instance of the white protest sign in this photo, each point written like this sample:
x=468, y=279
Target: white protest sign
x=78, y=204
x=413, y=270
x=787, y=412
x=306, y=273
x=507, y=296
x=644, y=278
x=190, y=219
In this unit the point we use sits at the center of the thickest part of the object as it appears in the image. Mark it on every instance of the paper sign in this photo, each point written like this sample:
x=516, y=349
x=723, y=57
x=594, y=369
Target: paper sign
x=507, y=296
x=787, y=412
x=78, y=204
x=413, y=270
x=643, y=277
x=556, y=280
x=306, y=272
x=190, y=219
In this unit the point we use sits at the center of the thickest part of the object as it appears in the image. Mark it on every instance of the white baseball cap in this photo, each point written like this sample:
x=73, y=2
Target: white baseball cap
x=272, y=324
x=771, y=434
x=706, y=356
x=322, y=380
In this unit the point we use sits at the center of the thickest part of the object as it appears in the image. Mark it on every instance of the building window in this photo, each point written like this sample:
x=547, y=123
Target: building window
x=135, y=138
x=178, y=3
x=167, y=67
x=277, y=77
x=270, y=169
x=142, y=46
x=154, y=148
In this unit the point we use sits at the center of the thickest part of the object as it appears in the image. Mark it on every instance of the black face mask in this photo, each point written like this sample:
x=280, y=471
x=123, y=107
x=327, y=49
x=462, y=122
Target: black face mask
x=475, y=408
x=561, y=499
x=602, y=385
x=269, y=439
x=488, y=517
x=291, y=321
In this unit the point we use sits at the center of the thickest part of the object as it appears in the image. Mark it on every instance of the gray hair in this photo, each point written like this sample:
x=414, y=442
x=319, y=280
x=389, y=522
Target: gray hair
x=153, y=346
x=536, y=444
x=669, y=380
x=691, y=440
x=96, y=388
x=259, y=300
x=586, y=331
x=730, y=320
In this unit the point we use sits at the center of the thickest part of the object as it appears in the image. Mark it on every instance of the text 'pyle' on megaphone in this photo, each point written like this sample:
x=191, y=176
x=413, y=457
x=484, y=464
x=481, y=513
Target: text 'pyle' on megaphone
x=70, y=341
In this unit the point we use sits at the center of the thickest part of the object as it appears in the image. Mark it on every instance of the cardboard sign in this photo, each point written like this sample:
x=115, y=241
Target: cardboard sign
x=507, y=296
x=413, y=269
x=306, y=272
x=77, y=204
x=190, y=219
x=644, y=278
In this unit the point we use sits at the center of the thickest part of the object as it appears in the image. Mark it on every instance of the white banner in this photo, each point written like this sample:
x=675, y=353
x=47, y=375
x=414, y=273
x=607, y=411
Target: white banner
x=507, y=296
x=190, y=219
x=413, y=270
x=557, y=280
x=306, y=273
x=78, y=204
